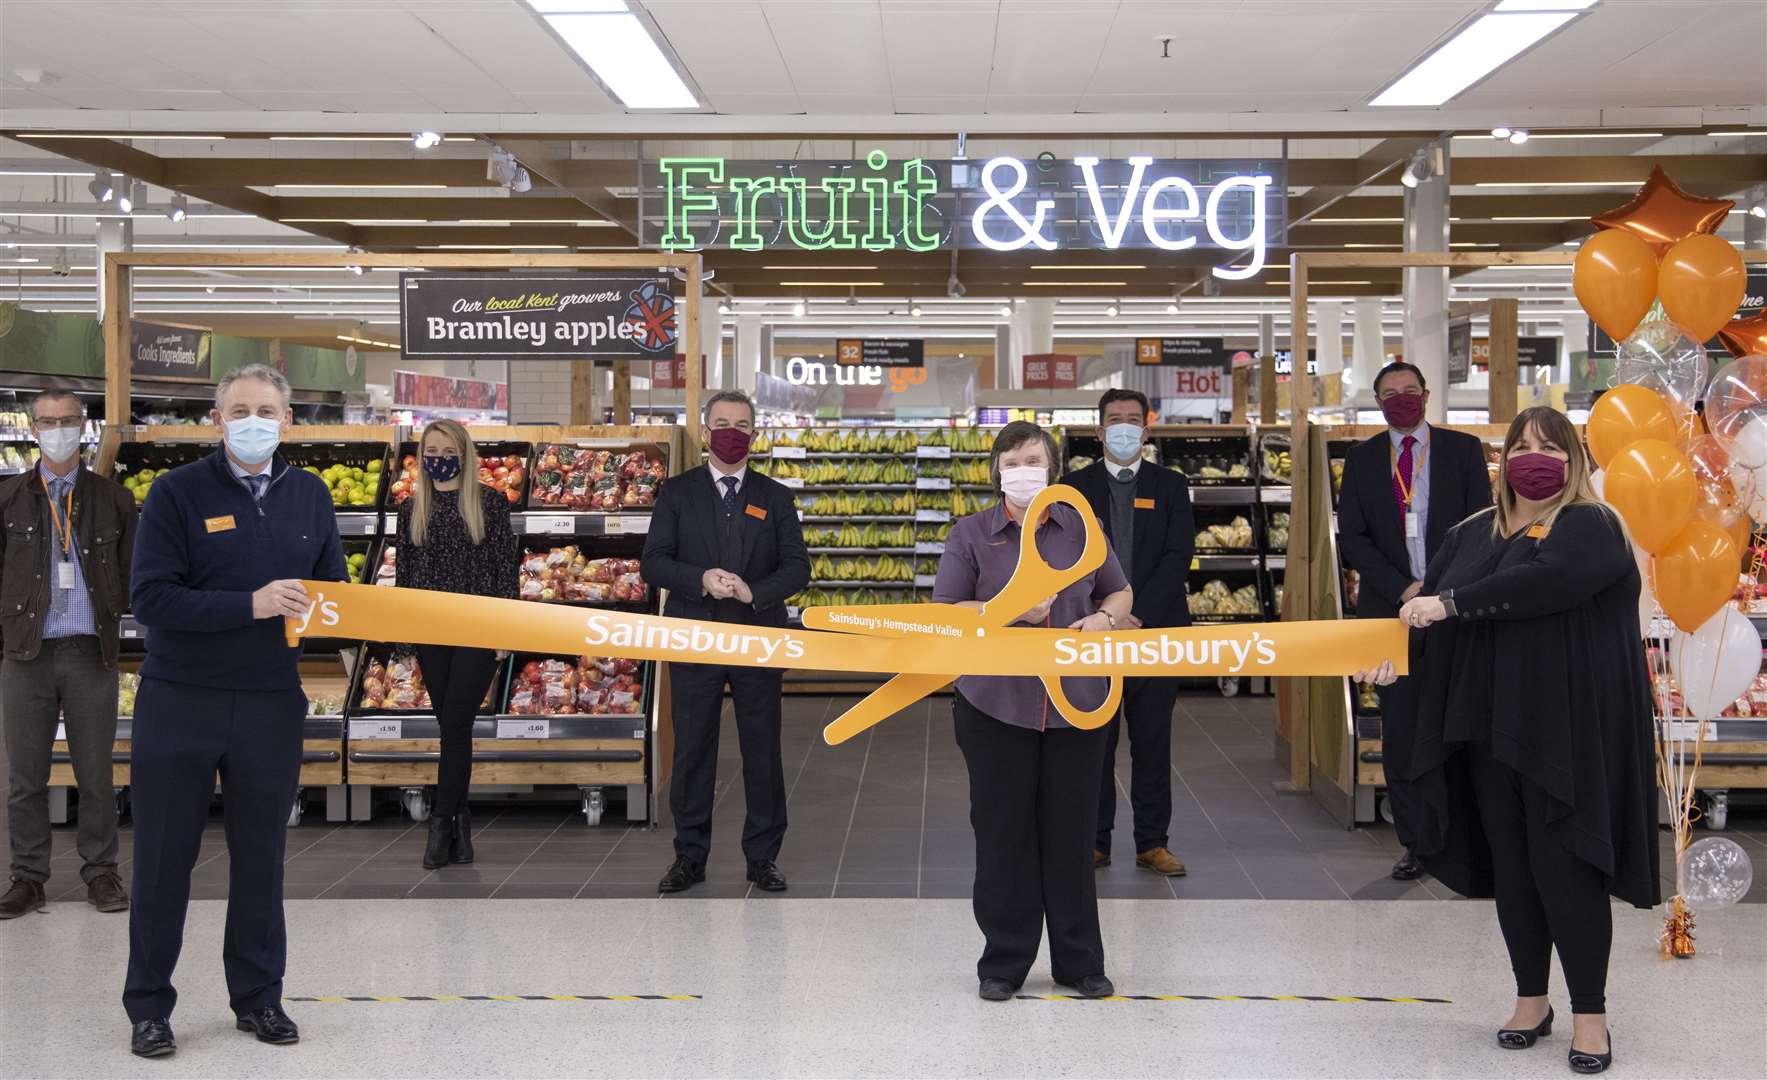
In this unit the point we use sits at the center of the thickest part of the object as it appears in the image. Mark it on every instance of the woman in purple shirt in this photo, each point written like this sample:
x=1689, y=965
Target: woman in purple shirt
x=1033, y=778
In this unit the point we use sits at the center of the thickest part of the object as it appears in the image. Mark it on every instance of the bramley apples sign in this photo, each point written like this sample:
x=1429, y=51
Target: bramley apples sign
x=999, y=204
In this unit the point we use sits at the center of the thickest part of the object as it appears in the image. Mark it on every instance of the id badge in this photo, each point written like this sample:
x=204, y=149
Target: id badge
x=1412, y=528
x=64, y=574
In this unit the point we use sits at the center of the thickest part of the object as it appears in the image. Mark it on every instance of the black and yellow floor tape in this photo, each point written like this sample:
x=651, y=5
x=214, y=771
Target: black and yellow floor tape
x=346, y=999
x=1349, y=999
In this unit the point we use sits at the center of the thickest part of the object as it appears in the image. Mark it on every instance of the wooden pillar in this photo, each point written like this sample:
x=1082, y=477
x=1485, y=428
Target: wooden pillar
x=582, y=392
x=1242, y=392
x=687, y=340
x=1267, y=390
x=1505, y=375
x=118, y=361
x=622, y=392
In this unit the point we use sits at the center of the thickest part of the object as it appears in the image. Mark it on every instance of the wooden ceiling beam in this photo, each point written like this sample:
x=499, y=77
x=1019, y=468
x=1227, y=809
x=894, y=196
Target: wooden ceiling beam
x=1378, y=161
x=541, y=161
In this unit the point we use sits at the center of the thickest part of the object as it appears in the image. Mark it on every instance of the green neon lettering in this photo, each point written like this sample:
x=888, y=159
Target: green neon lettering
x=837, y=231
x=878, y=236
x=682, y=200
x=746, y=191
x=918, y=184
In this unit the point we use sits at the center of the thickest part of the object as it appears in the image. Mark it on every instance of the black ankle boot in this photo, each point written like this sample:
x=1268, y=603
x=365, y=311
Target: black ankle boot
x=441, y=839
x=461, y=850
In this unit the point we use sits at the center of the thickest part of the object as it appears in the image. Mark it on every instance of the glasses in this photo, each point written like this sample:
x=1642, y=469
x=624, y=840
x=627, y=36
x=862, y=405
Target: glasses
x=50, y=423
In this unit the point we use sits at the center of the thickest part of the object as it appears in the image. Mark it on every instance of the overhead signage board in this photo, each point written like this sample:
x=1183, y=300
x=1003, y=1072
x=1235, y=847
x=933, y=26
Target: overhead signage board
x=1530, y=351
x=169, y=351
x=880, y=352
x=538, y=315
x=1459, y=350
x=1051, y=371
x=1044, y=204
x=1203, y=352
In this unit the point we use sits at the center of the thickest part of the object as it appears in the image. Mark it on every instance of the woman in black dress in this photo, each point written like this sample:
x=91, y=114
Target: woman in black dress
x=1534, y=746
x=464, y=545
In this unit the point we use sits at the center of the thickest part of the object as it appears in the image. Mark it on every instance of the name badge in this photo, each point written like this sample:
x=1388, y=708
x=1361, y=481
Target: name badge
x=219, y=524
x=759, y=513
x=1144, y=504
x=64, y=575
x=1413, y=528
x=1537, y=532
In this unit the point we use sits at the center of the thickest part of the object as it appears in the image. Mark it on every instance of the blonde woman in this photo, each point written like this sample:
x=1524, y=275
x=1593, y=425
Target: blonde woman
x=454, y=536
x=1533, y=751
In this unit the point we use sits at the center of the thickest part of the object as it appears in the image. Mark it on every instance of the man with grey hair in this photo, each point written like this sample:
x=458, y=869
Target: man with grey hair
x=64, y=584
x=223, y=546
x=727, y=544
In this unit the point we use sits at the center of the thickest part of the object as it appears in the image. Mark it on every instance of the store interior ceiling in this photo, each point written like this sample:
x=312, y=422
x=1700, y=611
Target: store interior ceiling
x=225, y=141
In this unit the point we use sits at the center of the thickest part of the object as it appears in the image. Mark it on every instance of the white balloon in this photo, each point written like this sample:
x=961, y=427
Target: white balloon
x=1598, y=481
x=1747, y=441
x=1755, y=482
x=1715, y=664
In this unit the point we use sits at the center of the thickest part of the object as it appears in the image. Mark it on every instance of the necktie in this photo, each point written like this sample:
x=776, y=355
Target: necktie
x=729, y=483
x=1402, y=480
x=1126, y=475
x=258, y=484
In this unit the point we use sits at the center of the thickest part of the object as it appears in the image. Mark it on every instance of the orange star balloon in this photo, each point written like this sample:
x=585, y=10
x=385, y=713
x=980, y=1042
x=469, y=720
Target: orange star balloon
x=1745, y=337
x=1662, y=215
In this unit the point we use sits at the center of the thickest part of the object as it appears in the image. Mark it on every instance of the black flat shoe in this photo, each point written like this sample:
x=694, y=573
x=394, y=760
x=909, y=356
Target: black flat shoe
x=681, y=876
x=1522, y=1038
x=271, y=1025
x=996, y=990
x=439, y=842
x=766, y=876
x=1583, y=1061
x=152, y=1038
x=1407, y=868
x=460, y=851
x=1090, y=986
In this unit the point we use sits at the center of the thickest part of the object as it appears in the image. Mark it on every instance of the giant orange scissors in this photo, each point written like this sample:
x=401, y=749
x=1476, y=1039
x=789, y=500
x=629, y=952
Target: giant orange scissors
x=1031, y=581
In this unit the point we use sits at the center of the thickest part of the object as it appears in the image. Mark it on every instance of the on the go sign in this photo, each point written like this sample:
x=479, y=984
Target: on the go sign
x=1001, y=204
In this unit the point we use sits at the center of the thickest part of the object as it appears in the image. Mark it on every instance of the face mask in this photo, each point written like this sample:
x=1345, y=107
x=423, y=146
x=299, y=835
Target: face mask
x=1123, y=441
x=59, y=444
x=253, y=439
x=1403, y=411
x=729, y=444
x=1536, y=476
x=1021, y=484
x=441, y=468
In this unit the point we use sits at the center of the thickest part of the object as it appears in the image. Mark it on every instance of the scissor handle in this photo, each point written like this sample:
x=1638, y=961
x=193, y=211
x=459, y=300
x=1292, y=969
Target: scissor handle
x=1033, y=578
x=1086, y=721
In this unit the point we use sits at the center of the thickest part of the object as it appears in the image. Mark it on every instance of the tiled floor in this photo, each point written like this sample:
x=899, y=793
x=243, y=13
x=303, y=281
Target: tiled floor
x=885, y=815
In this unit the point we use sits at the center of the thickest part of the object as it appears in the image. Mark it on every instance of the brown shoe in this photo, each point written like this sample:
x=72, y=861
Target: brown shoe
x=22, y=897
x=105, y=892
x=1160, y=861
x=1100, y=859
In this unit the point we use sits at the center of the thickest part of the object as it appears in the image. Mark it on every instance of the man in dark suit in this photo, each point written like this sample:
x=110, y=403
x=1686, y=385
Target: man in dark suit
x=1145, y=511
x=1402, y=491
x=727, y=544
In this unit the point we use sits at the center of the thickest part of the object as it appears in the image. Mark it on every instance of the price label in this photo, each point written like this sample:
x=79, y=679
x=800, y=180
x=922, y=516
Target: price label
x=389, y=524
x=377, y=729
x=932, y=451
x=1689, y=730
x=613, y=526
x=794, y=452
x=792, y=481
x=929, y=547
x=129, y=628
x=635, y=524
x=791, y=612
x=524, y=727
x=562, y=524
x=932, y=515
x=932, y=483
x=357, y=525
x=925, y=581
x=61, y=733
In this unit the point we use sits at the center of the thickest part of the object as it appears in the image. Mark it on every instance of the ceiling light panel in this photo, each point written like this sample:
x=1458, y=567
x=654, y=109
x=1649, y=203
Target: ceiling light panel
x=619, y=50
x=1485, y=45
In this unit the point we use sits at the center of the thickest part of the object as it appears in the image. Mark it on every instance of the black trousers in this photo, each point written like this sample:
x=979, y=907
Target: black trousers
x=1031, y=802
x=1147, y=713
x=182, y=736
x=1398, y=732
x=696, y=708
x=1546, y=896
x=457, y=679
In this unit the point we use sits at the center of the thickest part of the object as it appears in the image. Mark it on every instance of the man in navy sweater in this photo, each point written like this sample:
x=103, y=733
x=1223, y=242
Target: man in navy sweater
x=219, y=554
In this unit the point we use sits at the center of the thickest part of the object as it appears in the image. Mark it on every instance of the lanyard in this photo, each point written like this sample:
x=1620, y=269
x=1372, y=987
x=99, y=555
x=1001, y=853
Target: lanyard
x=61, y=520
x=1408, y=484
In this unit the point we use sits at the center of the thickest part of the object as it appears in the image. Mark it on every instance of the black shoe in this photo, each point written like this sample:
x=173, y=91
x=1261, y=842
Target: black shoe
x=152, y=1038
x=1090, y=986
x=996, y=990
x=105, y=892
x=439, y=843
x=682, y=875
x=1522, y=1038
x=271, y=1025
x=1584, y=1062
x=766, y=876
x=1407, y=869
x=461, y=850
x=22, y=897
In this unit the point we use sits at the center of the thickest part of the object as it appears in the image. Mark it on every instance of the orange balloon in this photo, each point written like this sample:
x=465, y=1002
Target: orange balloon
x=1652, y=485
x=1663, y=215
x=1696, y=574
x=1615, y=278
x=1701, y=281
x=1745, y=337
x=1626, y=414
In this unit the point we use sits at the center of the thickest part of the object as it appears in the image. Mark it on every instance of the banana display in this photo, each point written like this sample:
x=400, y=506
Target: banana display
x=860, y=536
x=837, y=597
x=882, y=568
x=1279, y=464
x=932, y=534
x=1218, y=601
x=854, y=471
x=958, y=502
x=857, y=504
x=958, y=470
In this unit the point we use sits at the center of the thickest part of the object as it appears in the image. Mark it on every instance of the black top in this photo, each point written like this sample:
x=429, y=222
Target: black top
x=1567, y=703
x=1164, y=539
x=449, y=561
x=686, y=540
x=1371, y=530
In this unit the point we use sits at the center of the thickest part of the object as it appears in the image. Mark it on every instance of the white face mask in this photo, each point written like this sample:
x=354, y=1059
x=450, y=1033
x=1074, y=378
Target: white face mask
x=1022, y=483
x=253, y=439
x=59, y=444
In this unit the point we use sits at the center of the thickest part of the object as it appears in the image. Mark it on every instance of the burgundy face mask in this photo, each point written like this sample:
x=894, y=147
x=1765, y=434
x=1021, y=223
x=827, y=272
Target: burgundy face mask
x=729, y=444
x=1536, y=476
x=1403, y=411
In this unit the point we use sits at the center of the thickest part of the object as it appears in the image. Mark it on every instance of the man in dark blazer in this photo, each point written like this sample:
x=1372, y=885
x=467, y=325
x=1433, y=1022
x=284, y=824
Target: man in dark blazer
x=726, y=542
x=1145, y=511
x=1402, y=491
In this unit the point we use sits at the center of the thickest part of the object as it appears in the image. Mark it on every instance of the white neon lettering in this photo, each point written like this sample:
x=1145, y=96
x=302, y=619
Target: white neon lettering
x=1153, y=214
x=1112, y=231
x=1031, y=231
x=1254, y=242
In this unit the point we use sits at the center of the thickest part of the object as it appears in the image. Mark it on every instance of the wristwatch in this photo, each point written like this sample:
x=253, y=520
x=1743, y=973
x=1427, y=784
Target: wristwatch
x=1109, y=616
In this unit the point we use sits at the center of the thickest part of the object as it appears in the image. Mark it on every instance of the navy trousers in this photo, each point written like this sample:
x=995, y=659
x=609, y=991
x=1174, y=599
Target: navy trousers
x=182, y=737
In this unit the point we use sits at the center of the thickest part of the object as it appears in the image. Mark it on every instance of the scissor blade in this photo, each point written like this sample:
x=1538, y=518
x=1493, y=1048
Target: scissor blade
x=881, y=704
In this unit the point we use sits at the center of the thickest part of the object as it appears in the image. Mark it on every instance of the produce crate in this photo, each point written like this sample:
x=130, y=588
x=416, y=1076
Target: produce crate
x=1227, y=595
x=365, y=494
x=554, y=684
x=380, y=671
x=596, y=477
x=138, y=463
x=569, y=574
